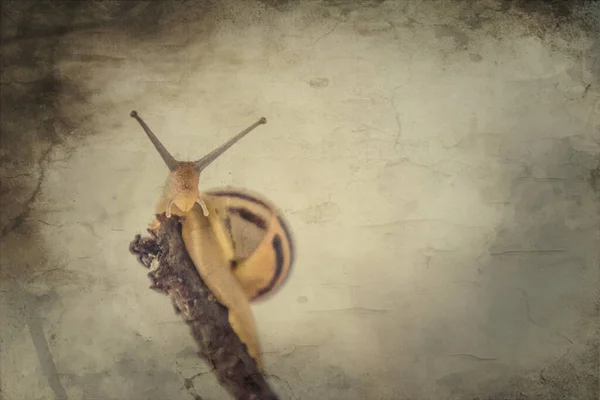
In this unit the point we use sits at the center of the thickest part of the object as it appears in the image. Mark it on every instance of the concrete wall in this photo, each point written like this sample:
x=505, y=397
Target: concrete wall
x=438, y=163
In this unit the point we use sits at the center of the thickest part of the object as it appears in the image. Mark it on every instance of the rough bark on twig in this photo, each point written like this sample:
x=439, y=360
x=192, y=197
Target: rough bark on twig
x=175, y=275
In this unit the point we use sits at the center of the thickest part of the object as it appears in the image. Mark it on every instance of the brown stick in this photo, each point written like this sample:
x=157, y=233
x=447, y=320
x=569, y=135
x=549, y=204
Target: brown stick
x=175, y=275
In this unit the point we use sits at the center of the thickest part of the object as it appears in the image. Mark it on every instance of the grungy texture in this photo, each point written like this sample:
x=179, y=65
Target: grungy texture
x=438, y=162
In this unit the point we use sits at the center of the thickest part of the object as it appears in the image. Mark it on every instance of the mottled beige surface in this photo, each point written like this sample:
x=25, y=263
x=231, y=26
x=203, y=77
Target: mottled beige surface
x=438, y=163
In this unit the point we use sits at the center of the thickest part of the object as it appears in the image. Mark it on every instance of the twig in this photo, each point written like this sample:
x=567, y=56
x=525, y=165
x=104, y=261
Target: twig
x=172, y=272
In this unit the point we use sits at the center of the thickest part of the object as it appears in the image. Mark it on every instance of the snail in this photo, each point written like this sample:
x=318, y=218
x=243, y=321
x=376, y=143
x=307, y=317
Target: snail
x=238, y=240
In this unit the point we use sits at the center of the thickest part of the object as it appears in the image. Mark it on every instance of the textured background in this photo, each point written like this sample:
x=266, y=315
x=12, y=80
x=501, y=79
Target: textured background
x=438, y=162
